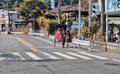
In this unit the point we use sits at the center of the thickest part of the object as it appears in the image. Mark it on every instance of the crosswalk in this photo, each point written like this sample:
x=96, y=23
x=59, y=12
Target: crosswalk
x=51, y=55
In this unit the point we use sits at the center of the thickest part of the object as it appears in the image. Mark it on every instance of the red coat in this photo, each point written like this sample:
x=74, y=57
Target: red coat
x=58, y=36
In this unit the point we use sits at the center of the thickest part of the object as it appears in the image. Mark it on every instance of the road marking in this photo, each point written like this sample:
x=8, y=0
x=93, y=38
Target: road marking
x=1, y=58
x=34, y=57
x=29, y=45
x=116, y=60
x=64, y=55
x=16, y=53
x=50, y=56
x=77, y=55
x=46, y=41
x=91, y=55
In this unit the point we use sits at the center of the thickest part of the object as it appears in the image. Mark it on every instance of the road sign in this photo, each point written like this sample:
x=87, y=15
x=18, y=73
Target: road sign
x=75, y=24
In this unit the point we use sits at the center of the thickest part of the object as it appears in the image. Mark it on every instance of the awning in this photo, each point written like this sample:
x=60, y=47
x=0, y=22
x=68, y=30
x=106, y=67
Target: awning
x=114, y=20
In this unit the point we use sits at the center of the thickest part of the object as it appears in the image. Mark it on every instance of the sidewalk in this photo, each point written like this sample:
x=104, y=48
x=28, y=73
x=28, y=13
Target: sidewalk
x=93, y=51
x=75, y=47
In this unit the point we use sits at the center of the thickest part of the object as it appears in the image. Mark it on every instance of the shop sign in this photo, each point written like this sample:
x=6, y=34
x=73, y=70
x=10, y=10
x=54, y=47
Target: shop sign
x=112, y=5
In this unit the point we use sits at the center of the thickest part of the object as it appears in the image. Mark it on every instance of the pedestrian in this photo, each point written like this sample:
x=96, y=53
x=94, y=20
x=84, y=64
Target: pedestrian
x=68, y=38
x=63, y=37
x=58, y=35
x=118, y=37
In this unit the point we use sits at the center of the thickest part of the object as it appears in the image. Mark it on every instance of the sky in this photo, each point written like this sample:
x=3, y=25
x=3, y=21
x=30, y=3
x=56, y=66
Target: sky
x=52, y=4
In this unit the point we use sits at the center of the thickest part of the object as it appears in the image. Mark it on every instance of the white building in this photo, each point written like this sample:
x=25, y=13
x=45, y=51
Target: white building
x=5, y=20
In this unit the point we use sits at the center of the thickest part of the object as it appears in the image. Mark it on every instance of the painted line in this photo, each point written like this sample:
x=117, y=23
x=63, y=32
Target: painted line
x=29, y=45
x=64, y=55
x=46, y=41
x=16, y=53
x=34, y=57
x=91, y=55
x=116, y=60
x=2, y=58
x=50, y=56
x=77, y=55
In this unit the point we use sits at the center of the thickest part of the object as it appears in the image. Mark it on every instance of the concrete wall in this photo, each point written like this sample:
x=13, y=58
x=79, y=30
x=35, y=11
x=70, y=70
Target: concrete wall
x=109, y=47
x=24, y=30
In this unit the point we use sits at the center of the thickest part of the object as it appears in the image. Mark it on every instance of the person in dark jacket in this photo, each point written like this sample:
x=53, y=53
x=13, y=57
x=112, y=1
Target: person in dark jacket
x=63, y=37
x=68, y=38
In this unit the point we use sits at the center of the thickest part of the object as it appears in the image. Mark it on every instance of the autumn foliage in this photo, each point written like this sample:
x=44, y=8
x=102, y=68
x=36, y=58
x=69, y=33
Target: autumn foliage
x=44, y=23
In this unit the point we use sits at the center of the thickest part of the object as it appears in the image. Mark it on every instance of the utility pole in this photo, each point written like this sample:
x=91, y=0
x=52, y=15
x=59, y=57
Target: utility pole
x=90, y=11
x=102, y=16
x=59, y=11
x=106, y=30
x=7, y=24
x=79, y=26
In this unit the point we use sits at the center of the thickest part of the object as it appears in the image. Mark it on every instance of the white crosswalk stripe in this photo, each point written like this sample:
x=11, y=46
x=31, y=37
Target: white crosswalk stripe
x=64, y=55
x=77, y=55
x=95, y=56
x=53, y=55
x=17, y=54
x=1, y=58
x=33, y=56
x=50, y=56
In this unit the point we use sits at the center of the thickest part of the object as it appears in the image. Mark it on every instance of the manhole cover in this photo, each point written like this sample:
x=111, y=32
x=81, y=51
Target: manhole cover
x=112, y=64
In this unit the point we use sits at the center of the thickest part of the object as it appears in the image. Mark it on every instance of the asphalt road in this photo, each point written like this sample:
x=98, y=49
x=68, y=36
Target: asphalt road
x=21, y=54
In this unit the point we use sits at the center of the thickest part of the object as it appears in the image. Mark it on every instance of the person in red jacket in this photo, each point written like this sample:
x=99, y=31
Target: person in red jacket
x=58, y=35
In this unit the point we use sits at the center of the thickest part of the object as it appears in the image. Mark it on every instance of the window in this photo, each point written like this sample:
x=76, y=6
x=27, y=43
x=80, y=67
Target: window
x=3, y=16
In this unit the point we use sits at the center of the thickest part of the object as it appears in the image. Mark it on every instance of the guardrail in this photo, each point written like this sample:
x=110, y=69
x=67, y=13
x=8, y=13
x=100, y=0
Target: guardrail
x=82, y=42
x=3, y=32
x=19, y=33
x=36, y=34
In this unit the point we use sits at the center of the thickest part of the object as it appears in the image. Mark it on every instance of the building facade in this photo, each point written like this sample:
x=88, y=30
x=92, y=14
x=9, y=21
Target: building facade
x=6, y=21
x=112, y=9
